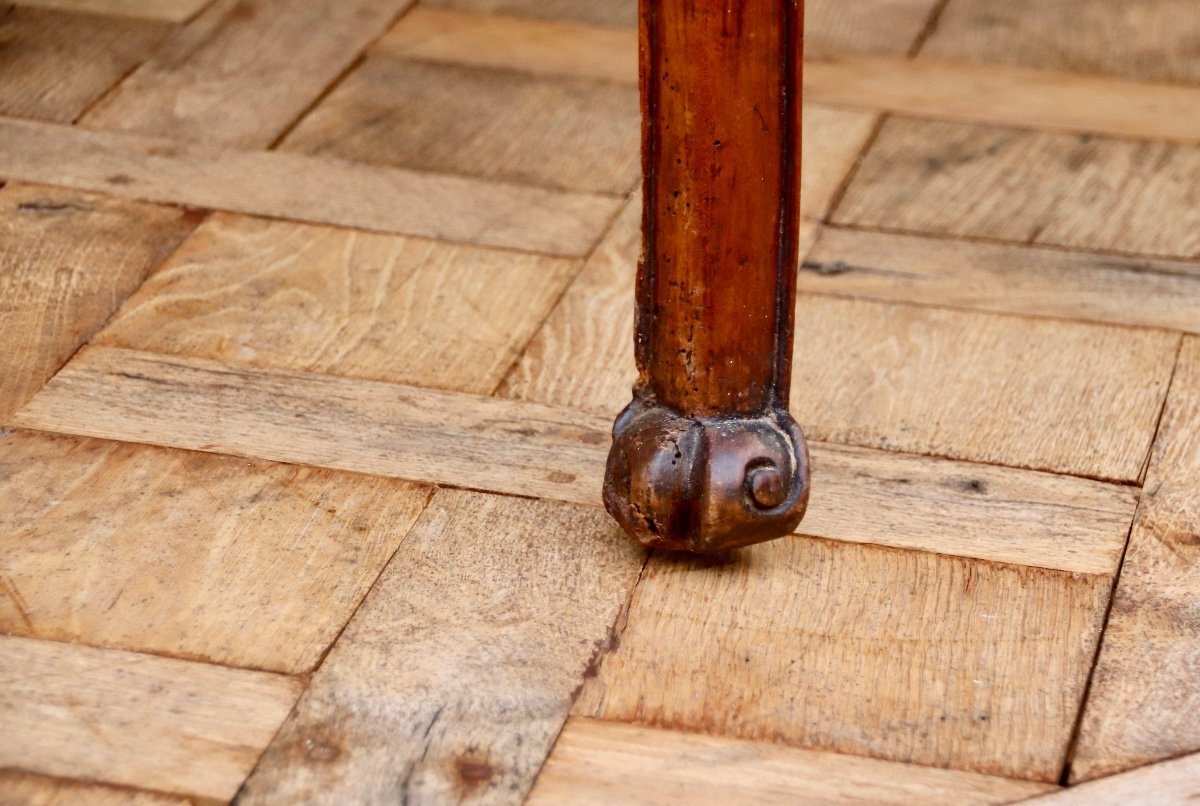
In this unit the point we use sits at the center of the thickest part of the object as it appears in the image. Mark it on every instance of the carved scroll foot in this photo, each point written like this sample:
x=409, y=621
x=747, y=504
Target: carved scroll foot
x=705, y=485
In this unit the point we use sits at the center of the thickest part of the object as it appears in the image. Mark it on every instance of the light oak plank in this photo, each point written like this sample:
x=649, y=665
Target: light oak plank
x=56, y=64
x=67, y=260
x=539, y=47
x=858, y=649
x=1068, y=397
x=365, y=305
x=166, y=10
x=1075, y=191
x=135, y=720
x=608, y=12
x=562, y=133
x=887, y=27
x=294, y=186
x=26, y=789
x=213, y=558
x=583, y=355
x=597, y=763
x=558, y=453
x=1171, y=783
x=1150, y=39
x=456, y=674
x=1007, y=96
x=1144, y=697
x=1005, y=278
x=243, y=70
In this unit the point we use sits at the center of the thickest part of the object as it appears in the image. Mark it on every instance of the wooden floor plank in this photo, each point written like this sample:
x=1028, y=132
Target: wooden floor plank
x=1170, y=783
x=888, y=27
x=533, y=46
x=27, y=789
x=243, y=70
x=558, y=453
x=609, y=12
x=1144, y=696
x=1005, y=278
x=167, y=10
x=561, y=133
x=135, y=720
x=67, y=260
x=858, y=649
x=979, y=386
x=1074, y=191
x=298, y=187
x=456, y=674
x=1007, y=96
x=598, y=763
x=382, y=307
x=213, y=558
x=1150, y=39
x=56, y=64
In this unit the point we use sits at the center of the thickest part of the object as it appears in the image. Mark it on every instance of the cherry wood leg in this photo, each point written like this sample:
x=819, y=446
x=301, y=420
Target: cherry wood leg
x=707, y=458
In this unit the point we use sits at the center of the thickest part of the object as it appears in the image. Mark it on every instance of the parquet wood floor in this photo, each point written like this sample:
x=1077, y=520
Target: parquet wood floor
x=313, y=320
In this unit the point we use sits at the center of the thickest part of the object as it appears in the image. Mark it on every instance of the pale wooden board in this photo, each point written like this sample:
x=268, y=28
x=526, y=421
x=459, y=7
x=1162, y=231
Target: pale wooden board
x=1068, y=397
x=1171, y=783
x=1032, y=187
x=27, y=789
x=558, y=453
x=297, y=296
x=864, y=26
x=137, y=720
x=1007, y=96
x=456, y=674
x=214, y=558
x=539, y=47
x=598, y=763
x=583, y=355
x=67, y=260
x=1145, y=696
x=563, y=133
x=243, y=70
x=596, y=12
x=1147, y=39
x=55, y=64
x=166, y=10
x=293, y=186
x=858, y=649
x=1005, y=278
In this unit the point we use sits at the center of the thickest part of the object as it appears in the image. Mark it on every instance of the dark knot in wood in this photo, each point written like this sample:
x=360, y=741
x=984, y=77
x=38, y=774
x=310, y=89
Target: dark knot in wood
x=705, y=484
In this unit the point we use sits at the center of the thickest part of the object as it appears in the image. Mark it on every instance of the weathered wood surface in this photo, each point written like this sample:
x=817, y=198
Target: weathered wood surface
x=242, y=71
x=374, y=306
x=561, y=133
x=1152, y=40
x=1075, y=191
x=27, y=789
x=1145, y=696
x=67, y=260
x=56, y=64
x=556, y=453
x=456, y=674
x=166, y=10
x=1005, y=278
x=136, y=720
x=213, y=558
x=905, y=656
x=596, y=763
x=610, y=12
x=1170, y=783
x=298, y=187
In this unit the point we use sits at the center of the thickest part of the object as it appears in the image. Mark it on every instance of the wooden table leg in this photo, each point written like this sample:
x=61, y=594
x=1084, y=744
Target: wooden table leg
x=707, y=457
